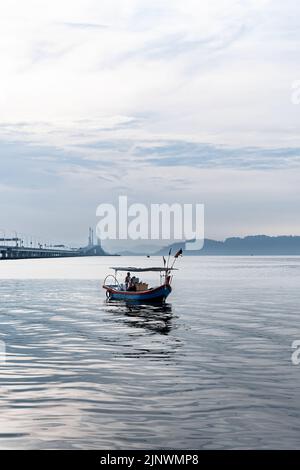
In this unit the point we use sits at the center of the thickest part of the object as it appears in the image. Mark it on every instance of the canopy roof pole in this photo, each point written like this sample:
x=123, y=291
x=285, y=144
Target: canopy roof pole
x=140, y=270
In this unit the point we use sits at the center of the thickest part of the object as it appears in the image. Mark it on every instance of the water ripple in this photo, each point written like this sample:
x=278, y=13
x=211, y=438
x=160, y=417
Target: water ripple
x=211, y=369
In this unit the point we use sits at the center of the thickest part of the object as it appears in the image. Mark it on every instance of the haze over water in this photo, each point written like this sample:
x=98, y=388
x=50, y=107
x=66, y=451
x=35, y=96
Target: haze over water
x=212, y=369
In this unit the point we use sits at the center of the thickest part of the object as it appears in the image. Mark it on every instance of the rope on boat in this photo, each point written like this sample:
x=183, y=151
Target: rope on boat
x=115, y=279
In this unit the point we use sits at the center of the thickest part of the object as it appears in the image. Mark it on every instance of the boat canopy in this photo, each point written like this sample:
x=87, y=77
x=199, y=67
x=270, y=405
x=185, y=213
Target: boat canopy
x=142, y=270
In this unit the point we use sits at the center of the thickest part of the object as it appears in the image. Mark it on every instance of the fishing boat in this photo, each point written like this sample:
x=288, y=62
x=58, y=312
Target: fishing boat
x=134, y=290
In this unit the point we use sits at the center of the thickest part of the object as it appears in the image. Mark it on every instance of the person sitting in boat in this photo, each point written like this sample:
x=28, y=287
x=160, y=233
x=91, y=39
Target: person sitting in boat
x=132, y=285
x=127, y=281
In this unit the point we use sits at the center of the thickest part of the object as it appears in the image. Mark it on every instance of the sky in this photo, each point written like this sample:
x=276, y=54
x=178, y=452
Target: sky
x=163, y=101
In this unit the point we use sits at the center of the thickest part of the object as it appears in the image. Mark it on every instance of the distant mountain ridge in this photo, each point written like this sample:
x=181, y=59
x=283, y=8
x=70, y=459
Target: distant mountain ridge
x=140, y=250
x=236, y=246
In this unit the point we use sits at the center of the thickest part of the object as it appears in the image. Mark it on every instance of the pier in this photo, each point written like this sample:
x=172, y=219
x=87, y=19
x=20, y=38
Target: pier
x=15, y=248
x=17, y=252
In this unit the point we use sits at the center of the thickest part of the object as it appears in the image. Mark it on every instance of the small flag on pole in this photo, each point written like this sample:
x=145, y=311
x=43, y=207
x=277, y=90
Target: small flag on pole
x=179, y=253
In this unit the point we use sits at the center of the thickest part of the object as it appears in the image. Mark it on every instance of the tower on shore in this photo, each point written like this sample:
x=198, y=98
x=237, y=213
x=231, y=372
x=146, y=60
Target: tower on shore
x=91, y=237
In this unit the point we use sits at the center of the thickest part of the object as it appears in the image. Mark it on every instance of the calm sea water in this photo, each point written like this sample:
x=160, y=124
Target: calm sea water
x=211, y=370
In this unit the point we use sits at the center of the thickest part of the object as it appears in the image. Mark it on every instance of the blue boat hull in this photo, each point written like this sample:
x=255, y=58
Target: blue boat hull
x=158, y=294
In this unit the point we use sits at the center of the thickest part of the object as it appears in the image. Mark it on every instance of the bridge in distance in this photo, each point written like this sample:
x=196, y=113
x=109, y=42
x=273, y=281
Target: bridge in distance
x=13, y=248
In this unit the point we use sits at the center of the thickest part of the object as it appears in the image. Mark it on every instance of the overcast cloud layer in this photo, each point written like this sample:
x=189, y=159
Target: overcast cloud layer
x=166, y=101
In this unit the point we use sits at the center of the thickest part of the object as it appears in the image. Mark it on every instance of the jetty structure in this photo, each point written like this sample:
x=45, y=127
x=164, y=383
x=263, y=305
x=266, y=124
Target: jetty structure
x=16, y=248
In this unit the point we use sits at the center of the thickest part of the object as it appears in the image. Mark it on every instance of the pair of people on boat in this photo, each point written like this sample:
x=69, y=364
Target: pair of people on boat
x=130, y=282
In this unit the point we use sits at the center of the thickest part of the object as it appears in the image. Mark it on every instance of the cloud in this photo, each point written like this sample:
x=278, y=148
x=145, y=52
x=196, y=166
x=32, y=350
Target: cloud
x=93, y=26
x=149, y=97
x=209, y=156
x=62, y=60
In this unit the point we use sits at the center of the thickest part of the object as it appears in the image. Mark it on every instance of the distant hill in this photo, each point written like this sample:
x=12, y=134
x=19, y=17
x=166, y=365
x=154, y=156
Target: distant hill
x=93, y=250
x=235, y=246
x=141, y=250
x=129, y=253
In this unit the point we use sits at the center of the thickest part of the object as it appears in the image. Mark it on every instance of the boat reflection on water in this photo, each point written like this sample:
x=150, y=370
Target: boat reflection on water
x=151, y=316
